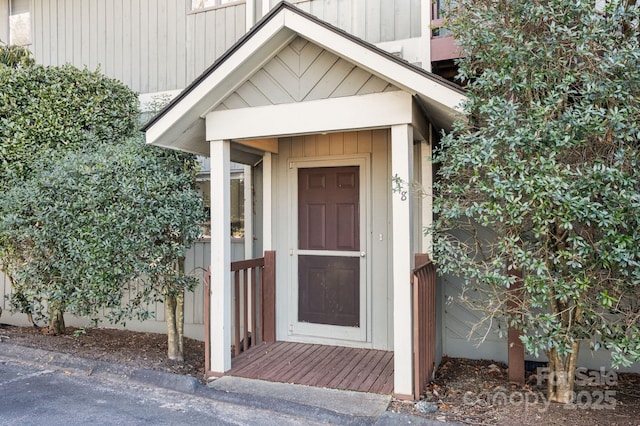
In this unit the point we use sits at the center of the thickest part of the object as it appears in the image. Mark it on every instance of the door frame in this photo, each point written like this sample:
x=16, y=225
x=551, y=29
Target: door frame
x=323, y=333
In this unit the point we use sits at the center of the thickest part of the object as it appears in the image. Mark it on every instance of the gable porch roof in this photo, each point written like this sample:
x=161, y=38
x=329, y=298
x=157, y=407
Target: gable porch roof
x=181, y=124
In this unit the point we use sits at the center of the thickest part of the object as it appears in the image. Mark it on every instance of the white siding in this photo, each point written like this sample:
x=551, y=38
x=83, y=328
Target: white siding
x=5, y=290
x=4, y=20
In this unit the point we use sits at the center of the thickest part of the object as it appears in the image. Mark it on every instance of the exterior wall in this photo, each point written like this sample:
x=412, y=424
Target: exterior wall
x=459, y=341
x=210, y=33
x=196, y=262
x=376, y=144
x=150, y=45
x=160, y=45
x=375, y=21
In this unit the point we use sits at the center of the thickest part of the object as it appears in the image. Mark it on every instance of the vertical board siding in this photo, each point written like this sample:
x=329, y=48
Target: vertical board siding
x=4, y=20
x=107, y=37
x=372, y=20
x=153, y=57
x=158, y=45
x=197, y=260
x=150, y=45
x=5, y=291
x=209, y=34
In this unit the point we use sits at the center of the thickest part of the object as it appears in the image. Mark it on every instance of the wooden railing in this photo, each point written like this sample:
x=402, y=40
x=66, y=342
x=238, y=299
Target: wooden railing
x=253, y=304
x=424, y=322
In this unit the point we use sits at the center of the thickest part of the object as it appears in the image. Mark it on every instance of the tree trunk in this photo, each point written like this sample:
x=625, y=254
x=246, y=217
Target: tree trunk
x=56, y=319
x=562, y=375
x=174, y=351
x=180, y=322
x=174, y=315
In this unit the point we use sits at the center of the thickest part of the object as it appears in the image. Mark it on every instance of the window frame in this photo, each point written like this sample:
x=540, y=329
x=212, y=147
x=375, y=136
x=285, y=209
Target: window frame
x=217, y=5
x=11, y=24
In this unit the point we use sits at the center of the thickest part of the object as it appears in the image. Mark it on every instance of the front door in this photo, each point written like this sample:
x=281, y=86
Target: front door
x=330, y=256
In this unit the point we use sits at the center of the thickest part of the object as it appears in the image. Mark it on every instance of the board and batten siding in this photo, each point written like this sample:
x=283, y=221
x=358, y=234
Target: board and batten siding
x=375, y=21
x=197, y=261
x=160, y=45
x=150, y=45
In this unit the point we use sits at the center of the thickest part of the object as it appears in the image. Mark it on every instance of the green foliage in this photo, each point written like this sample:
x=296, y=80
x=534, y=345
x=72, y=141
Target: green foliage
x=548, y=158
x=15, y=56
x=94, y=226
x=57, y=109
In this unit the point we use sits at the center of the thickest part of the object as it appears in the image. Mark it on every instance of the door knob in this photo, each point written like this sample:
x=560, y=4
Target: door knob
x=363, y=254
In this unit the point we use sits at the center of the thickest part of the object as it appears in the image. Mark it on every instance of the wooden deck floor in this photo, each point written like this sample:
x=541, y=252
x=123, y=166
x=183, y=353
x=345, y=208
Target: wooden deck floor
x=364, y=370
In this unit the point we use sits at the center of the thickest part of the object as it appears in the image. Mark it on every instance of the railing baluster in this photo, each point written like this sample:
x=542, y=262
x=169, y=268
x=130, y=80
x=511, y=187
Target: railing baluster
x=245, y=316
x=254, y=306
x=259, y=299
x=262, y=318
x=236, y=287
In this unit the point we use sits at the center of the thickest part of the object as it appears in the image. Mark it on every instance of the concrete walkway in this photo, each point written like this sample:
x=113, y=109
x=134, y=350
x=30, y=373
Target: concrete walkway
x=328, y=406
x=356, y=404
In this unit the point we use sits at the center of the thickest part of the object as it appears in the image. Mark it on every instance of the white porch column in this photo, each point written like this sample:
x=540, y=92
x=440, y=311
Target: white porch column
x=402, y=208
x=425, y=39
x=267, y=230
x=220, y=257
x=427, y=199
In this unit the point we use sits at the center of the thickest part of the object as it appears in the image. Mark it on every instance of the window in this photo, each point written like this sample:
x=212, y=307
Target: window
x=237, y=207
x=203, y=4
x=19, y=22
x=237, y=204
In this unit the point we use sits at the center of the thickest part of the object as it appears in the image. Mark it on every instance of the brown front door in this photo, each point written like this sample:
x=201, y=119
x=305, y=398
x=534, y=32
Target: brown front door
x=328, y=237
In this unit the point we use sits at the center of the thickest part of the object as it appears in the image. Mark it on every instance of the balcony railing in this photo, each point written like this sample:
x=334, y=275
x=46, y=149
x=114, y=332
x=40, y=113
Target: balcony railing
x=443, y=46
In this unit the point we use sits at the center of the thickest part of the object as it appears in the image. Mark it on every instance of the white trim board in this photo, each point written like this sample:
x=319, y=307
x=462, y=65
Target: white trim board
x=326, y=115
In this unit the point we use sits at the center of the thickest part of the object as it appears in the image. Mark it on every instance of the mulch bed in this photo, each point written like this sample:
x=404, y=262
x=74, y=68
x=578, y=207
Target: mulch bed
x=140, y=350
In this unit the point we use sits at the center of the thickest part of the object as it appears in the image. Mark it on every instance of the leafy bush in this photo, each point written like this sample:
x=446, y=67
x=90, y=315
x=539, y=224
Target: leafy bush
x=548, y=157
x=58, y=108
x=97, y=226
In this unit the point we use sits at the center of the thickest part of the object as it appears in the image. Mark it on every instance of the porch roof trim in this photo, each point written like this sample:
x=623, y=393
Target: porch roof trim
x=180, y=125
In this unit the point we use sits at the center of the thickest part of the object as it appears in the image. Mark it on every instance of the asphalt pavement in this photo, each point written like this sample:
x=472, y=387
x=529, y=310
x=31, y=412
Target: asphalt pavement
x=40, y=387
